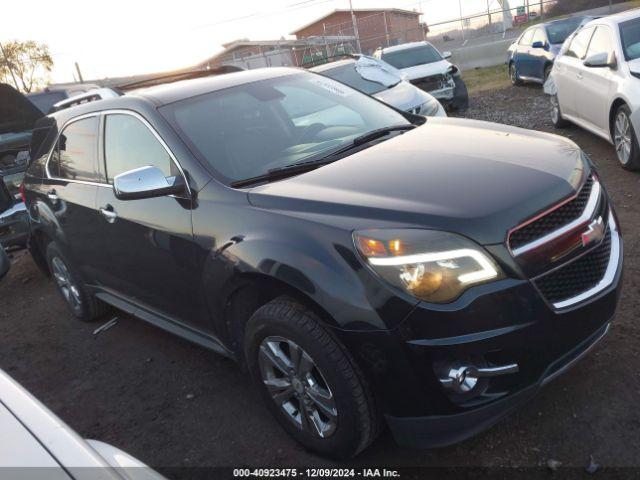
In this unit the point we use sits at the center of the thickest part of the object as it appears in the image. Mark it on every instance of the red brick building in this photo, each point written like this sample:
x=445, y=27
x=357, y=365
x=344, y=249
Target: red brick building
x=377, y=27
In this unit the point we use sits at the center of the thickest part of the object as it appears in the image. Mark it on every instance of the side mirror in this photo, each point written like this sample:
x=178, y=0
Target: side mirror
x=538, y=44
x=446, y=55
x=600, y=60
x=146, y=182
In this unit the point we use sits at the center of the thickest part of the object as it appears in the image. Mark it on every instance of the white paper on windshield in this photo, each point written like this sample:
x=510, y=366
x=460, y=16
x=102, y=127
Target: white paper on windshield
x=374, y=71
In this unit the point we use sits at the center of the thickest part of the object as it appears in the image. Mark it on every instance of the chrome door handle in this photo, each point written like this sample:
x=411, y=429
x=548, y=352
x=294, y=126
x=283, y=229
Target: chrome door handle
x=108, y=213
x=579, y=75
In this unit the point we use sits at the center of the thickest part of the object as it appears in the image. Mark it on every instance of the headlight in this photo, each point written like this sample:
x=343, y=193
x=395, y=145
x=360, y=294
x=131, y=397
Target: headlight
x=433, y=266
x=430, y=108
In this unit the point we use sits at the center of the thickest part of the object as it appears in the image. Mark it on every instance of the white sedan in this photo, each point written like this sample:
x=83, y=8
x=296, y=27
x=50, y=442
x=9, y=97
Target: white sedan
x=595, y=83
x=34, y=444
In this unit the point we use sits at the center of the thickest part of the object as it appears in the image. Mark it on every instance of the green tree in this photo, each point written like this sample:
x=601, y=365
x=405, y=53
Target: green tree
x=25, y=64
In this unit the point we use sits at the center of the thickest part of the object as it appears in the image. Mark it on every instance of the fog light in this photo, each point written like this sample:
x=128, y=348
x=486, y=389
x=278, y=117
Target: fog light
x=463, y=379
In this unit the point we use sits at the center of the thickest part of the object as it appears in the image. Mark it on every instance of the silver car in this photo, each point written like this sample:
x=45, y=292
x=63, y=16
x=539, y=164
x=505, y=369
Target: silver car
x=384, y=82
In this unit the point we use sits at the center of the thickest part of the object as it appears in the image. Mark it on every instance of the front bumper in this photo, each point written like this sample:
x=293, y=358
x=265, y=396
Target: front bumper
x=443, y=430
x=501, y=323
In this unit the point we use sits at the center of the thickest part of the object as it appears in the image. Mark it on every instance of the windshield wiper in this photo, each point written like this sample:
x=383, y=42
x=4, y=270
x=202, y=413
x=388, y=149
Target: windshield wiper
x=305, y=166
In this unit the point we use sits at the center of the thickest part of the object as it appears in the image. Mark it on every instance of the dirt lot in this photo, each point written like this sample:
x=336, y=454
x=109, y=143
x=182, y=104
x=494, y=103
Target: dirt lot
x=173, y=404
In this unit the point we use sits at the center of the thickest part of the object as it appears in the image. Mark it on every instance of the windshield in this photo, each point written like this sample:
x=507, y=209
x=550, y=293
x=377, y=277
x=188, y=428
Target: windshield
x=411, y=57
x=560, y=30
x=349, y=75
x=247, y=130
x=630, y=36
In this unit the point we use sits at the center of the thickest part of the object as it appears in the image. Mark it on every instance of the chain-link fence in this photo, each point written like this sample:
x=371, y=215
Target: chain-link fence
x=382, y=29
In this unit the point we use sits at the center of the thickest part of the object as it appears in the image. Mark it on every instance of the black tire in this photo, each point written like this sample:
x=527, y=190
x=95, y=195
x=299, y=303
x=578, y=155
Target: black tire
x=556, y=113
x=547, y=72
x=632, y=160
x=356, y=422
x=513, y=75
x=82, y=304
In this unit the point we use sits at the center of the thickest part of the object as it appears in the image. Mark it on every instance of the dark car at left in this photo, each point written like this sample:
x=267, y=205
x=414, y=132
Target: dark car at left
x=365, y=265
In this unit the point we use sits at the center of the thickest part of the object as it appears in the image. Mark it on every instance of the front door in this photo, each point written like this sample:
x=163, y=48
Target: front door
x=149, y=242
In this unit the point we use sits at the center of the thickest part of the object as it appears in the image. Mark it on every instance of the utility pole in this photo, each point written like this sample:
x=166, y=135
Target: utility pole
x=528, y=16
x=9, y=66
x=461, y=19
x=541, y=9
x=610, y=7
x=489, y=13
x=355, y=27
x=79, y=72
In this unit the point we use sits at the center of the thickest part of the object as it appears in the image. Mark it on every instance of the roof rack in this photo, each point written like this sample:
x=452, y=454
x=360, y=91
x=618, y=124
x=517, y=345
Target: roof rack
x=86, y=97
x=177, y=76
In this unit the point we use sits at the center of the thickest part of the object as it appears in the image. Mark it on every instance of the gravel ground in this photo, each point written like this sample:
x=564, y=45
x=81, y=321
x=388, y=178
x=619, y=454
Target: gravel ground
x=173, y=404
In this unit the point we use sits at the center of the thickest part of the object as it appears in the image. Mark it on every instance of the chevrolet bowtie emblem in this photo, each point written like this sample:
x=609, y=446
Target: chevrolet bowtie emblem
x=594, y=233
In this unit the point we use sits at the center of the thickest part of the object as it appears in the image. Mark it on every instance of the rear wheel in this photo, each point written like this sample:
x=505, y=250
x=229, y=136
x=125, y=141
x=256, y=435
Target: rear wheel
x=82, y=304
x=308, y=380
x=513, y=74
x=547, y=72
x=624, y=139
x=556, y=113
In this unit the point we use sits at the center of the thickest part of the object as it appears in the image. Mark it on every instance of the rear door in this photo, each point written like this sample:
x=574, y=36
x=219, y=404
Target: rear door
x=149, y=242
x=568, y=76
x=70, y=187
x=597, y=83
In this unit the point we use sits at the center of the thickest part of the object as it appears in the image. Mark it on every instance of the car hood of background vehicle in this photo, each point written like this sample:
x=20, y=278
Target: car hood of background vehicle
x=426, y=70
x=403, y=96
x=16, y=112
x=475, y=178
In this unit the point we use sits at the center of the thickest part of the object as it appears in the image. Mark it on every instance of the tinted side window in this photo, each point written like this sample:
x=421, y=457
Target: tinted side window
x=129, y=144
x=74, y=156
x=579, y=44
x=526, y=38
x=600, y=42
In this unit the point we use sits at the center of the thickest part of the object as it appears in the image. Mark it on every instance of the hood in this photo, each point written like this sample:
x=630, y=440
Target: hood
x=475, y=178
x=426, y=70
x=634, y=65
x=17, y=113
x=403, y=96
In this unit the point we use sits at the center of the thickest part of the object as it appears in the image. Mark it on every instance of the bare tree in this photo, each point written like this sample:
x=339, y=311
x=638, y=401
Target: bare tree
x=27, y=64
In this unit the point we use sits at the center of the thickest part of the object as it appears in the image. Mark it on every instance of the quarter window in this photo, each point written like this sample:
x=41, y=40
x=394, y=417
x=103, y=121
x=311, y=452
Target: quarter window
x=74, y=156
x=578, y=47
x=600, y=42
x=129, y=144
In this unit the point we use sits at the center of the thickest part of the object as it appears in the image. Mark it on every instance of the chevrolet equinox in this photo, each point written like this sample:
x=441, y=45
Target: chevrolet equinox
x=365, y=265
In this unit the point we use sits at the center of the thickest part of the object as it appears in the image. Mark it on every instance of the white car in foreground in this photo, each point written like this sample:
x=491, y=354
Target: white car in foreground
x=425, y=67
x=384, y=82
x=595, y=83
x=34, y=443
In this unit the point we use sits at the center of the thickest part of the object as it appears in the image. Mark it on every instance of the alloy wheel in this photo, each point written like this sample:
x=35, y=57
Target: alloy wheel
x=66, y=284
x=297, y=386
x=512, y=73
x=622, y=137
x=555, y=109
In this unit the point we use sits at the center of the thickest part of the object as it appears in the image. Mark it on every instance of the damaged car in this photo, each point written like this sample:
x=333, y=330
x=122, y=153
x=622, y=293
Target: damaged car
x=384, y=82
x=601, y=62
x=424, y=66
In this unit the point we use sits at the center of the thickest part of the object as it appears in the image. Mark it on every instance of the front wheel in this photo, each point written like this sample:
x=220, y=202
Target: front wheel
x=625, y=141
x=556, y=113
x=308, y=380
x=513, y=75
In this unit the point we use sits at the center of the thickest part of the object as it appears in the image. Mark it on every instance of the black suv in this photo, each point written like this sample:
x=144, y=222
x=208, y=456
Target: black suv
x=367, y=266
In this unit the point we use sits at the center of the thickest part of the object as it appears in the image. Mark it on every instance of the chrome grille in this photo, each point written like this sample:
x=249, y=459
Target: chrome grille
x=554, y=220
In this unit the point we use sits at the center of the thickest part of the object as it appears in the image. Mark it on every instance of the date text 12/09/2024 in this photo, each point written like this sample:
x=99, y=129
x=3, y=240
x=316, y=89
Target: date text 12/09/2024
x=316, y=473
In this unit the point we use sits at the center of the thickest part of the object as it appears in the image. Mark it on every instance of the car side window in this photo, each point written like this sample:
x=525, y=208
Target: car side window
x=600, y=42
x=75, y=153
x=129, y=144
x=526, y=38
x=579, y=44
x=539, y=36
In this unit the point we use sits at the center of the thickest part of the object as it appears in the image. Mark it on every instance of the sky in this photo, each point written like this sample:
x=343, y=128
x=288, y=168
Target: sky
x=127, y=37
